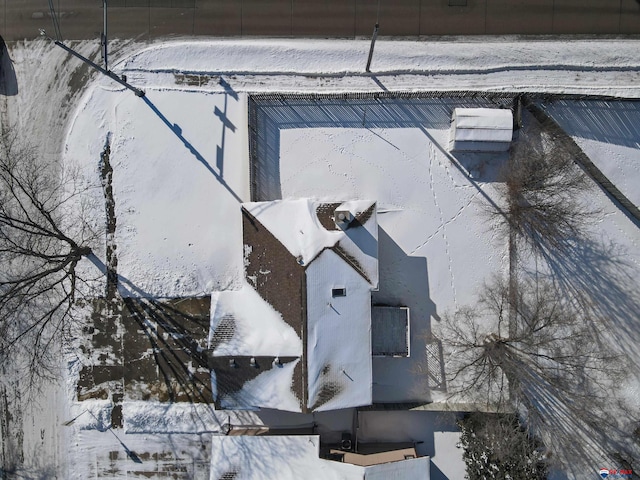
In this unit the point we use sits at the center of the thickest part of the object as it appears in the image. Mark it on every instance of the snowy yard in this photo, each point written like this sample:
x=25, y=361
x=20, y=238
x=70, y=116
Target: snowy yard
x=180, y=173
x=436, y=242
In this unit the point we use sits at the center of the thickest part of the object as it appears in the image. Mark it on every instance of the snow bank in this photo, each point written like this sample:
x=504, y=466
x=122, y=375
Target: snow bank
x=154, y=417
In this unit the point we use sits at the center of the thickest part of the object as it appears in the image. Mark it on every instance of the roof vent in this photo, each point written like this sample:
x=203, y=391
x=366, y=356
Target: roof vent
x=254, y=363
x=339, y=292
x=342, y=218
x=277, y=362
x=232, y=363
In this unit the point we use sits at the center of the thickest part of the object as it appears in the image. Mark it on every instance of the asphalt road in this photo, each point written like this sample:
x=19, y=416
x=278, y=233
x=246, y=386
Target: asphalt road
x=82, y=19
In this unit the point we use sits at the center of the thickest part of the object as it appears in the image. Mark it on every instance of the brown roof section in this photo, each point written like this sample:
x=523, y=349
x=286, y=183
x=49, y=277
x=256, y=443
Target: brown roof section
x=284, y=287
x=324, y=212
x=231, y=378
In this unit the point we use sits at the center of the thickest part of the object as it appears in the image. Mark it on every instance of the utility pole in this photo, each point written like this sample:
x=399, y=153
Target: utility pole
x=113, y=76
x=373, y=44
x=104, y=35
x=103, y=47
x=373, y=38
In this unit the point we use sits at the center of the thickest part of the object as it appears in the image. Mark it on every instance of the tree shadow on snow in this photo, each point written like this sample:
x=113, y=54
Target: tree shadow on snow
x=599, y=274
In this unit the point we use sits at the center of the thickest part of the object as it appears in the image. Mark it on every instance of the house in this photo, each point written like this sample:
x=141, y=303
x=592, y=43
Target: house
x=297, y=335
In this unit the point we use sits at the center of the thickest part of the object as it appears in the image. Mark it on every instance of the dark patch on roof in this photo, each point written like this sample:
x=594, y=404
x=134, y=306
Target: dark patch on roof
x=224, y=332
x=351, y=260
x=231, y=475
x=328, y=388
x=299, y=386
x=324, y=212
x=363, y=217
x=230, y=379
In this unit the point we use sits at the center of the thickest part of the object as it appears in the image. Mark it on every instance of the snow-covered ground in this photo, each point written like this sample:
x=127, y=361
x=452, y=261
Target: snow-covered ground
x=181, y=170
x=180, y=173
x=609, y=67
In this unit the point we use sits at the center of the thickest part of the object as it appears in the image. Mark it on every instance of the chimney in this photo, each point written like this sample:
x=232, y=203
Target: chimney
x=342, y=217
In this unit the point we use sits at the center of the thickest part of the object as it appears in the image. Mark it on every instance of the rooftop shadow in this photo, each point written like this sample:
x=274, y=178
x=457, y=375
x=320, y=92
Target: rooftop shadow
x=8, y=79
x=404, y=282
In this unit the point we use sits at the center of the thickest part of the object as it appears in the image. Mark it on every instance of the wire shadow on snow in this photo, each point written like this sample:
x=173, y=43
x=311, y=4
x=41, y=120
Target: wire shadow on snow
x=8, y=79
x=177, y=131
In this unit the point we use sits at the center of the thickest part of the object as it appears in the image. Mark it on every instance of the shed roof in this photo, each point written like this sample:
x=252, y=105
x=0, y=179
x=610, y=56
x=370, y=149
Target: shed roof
x=481, y=129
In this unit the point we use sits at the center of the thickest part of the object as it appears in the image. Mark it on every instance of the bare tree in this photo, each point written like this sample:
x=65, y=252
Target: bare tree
x=43, y=237
x=543, y=188
x=497, y=446
x=536, y=353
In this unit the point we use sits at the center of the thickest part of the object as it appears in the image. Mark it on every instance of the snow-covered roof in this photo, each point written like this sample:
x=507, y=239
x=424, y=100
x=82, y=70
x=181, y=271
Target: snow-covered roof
x=299, y=226
x=246, y=325
x=338, y=335
x=253, y=351
x=481, y=129
x=295, y=457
